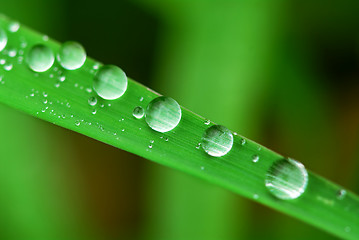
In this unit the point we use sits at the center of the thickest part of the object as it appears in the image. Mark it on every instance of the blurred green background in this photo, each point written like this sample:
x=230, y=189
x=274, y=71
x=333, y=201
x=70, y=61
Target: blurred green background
x=283, y=73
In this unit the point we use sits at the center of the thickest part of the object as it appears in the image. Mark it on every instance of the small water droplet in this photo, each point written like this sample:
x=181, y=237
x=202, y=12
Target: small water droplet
x=207, y=122
x=40, y=58
x=77, y=123
x=2, y=61
x=243, y=141
x=341, y=194
x=141, y=99
x=14, y=26
x=138, y=112
x=217, y=141
x=286, y=179
x=45, y=38
x=62, y=78
x=150, y=146
x=255, y=158
x=198, y=145
x=51, y=75
x=152, y=141
x=110, y=82
x=255, y=196
x=163, y=114
x=57, y=85
x=3, y=39
x=8, y=67
x=71, y=55
x=45, y=101
x=94, y=111
x=202, y=168
x=12, y=53
x=92, y=101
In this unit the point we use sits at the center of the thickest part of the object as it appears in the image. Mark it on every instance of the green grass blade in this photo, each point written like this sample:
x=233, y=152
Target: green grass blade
x=66, y=104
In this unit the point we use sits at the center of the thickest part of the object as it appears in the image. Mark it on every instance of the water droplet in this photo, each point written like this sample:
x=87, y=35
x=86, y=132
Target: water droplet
x=110, y=82
x=243, y=141
x=207, y=122
x=71, y=55
x=8, y=67
x=141, y=99
x=255, y=158
x=14, y=26
x=163, y=114
x=3, y=39
x=286, y=179
x=217, y=140
x=12, y=53
x=45, y=38
x=138, y=112
x=2, y=61
x=94, y=111
x=62, y=78
x=202, y=168
x=40, y=58
x=255, y=196
x=77, y=123
x=341, y=194
x=92, y=101
x=198, y=145
x=57, y=85
x=150, y=146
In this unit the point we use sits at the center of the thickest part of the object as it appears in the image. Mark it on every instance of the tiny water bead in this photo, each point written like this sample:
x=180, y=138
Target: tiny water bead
x=110, y=82
x=14, y=26
x=138, y=112
x=40, y=58
x=217, y=141
x=341, y=194
x=3, y=39
x=286, y=179
x=71, y=55
x=255, y=158
x=163, y=114
x=92, y=101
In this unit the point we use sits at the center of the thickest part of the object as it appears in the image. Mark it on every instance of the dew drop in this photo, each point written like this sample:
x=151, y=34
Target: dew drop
x=163, y=114
x=286, y=179
x=62, y=78
x=110, y=82
x=217, y=140
x=14, y=26
x=207, y=122
x=94, y=111
x=8, y=67
x=243, y=141
x=341, y=194
x=71, y=55
x=40, y=58
x=3, y=39
x=255, y=158
x=138, y=112
x=12, y=53
x=92, y=101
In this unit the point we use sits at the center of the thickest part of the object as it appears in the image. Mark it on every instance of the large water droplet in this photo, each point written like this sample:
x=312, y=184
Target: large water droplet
x=287, y=179
x=40, y=58
x=71, y=55
x=138, y=112
x=217, y=141
x=110, y=82
x=163, y=114
x=3, y=39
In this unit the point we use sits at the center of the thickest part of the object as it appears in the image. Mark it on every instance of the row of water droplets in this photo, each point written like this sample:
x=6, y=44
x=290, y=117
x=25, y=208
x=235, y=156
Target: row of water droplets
x=285, y=179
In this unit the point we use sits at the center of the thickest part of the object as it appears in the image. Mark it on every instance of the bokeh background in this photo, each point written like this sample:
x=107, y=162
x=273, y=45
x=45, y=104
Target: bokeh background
x=283, y=73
